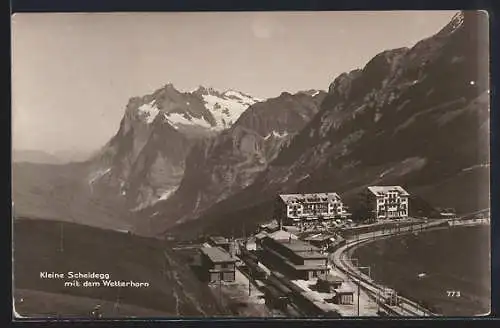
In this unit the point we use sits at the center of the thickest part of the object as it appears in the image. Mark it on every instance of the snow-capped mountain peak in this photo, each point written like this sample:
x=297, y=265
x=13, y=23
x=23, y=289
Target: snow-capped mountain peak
x=225, y=107
x=148, y=111
x=204, y=108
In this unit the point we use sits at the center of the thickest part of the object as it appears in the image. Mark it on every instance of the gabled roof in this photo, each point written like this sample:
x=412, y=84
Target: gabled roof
x=217, y=254
x=381, y=190
x=282, y=235
x=329, y=196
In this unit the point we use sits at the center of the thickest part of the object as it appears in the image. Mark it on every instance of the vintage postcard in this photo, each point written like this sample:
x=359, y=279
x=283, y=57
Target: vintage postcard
x=251, y=164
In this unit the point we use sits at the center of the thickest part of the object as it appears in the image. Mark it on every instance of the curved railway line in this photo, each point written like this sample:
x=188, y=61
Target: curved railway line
x=404, y=307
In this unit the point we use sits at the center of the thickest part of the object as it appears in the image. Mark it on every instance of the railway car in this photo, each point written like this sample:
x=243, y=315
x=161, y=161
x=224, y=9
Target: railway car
x=254, y=269
x=274, y=298
x=277, y=283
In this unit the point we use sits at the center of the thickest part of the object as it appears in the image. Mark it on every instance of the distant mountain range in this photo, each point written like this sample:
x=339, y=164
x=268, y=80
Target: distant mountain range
x=211, y=161
x=417, y=117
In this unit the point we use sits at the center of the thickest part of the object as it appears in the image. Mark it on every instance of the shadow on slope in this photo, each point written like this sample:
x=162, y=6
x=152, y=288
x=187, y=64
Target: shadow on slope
x=61, y=247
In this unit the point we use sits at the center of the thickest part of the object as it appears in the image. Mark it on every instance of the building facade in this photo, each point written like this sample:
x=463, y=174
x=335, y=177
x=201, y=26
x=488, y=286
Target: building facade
x=388, y=202
x=309, y=209
x=294, y=258
x=217, y=264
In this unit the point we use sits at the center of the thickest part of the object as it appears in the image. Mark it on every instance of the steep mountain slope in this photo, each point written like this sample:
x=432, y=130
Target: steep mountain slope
x=417, y=117
x=221, y=166
x=144, y=161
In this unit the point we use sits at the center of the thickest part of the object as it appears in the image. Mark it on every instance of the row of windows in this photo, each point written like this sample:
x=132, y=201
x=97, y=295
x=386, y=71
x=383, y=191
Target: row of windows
x=316, y=274
x=393, y=214
x=399, y=199
x=392, y=208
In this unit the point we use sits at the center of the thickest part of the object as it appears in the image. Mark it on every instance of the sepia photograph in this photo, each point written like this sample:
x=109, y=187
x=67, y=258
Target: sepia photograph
x=287, y=164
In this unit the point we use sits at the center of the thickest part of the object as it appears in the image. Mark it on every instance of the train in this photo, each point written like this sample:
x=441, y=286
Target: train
x=302, y=298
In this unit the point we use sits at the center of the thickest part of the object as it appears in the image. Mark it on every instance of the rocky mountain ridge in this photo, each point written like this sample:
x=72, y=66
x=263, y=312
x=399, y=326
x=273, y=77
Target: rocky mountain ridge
x=417, y=117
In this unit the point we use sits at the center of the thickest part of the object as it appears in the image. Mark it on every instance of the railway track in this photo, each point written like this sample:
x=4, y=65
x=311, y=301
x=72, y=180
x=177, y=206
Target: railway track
x=405, y=307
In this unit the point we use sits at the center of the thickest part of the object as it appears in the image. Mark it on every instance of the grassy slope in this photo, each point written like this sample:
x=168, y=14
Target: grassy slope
x=34, y=303
x=61, y=192
x=173, y=287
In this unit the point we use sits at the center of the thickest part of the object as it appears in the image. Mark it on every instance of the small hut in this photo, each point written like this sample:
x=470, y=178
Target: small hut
x=329, y=283
x=343, y=295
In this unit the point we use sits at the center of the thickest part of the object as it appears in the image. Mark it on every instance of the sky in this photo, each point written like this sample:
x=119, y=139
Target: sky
x=73, y=73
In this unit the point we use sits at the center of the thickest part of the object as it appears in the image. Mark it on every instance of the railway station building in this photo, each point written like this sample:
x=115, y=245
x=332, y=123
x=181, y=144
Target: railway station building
x=294, y=258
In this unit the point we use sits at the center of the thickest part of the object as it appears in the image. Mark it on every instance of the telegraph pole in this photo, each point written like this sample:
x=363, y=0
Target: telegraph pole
x=378, y=300
x=61, y=240
x=117, y=303
x=358, y=297
x=220, y=289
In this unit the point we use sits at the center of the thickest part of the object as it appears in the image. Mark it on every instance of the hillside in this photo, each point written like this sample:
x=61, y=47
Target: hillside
x=173, y=288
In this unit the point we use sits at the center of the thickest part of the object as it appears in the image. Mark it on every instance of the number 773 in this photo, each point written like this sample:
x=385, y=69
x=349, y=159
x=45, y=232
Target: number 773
x=453, y=293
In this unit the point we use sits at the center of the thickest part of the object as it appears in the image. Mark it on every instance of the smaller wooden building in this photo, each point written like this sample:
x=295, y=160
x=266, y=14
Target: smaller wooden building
x=217, y=264
x=329, y=283
x=343, y=295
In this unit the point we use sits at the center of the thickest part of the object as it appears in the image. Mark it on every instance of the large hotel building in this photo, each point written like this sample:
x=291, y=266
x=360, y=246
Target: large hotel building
x=305, y=209
x=388, y=202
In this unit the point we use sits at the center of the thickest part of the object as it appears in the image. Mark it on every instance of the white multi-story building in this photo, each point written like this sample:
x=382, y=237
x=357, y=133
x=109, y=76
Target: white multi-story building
x=388, y=202
x=300, y=209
